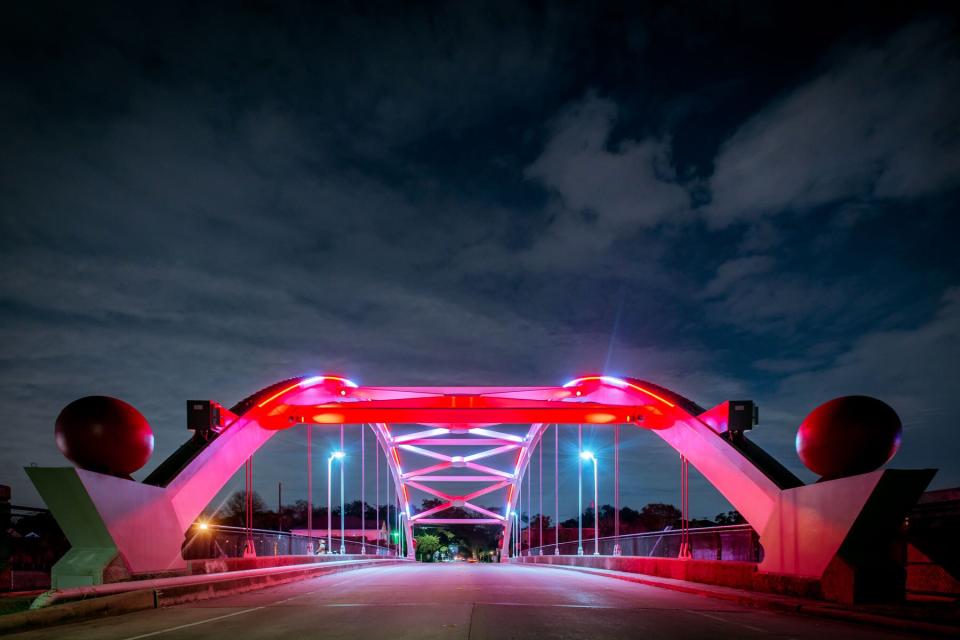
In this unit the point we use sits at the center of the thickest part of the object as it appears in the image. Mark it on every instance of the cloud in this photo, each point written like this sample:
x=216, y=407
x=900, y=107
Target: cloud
x=606, y=187
x=914, y=369
x=881, y=123
x=735, y=271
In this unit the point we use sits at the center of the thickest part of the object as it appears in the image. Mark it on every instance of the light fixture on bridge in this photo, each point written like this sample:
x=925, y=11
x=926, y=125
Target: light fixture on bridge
x=335, y=455
x=588, y=455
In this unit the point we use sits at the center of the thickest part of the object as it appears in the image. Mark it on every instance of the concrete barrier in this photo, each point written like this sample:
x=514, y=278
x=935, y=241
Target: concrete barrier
x=67, y=612
x=81, y=603
x=223, y=565
x=722, y=573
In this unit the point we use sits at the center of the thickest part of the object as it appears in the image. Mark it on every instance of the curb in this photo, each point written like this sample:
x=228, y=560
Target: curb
x=774, y=603
x=140, y=599
x=112, y=605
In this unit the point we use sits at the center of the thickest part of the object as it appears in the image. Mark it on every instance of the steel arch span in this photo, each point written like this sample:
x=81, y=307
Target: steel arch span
x=801, y=527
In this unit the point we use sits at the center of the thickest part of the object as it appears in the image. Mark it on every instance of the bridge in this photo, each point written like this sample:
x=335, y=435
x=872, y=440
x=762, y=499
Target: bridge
x=435, y=440
x=457, y=601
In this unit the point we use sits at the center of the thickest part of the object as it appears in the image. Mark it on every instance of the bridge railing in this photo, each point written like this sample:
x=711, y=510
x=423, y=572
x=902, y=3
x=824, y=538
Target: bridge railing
x=222, y=541
x=734, y=542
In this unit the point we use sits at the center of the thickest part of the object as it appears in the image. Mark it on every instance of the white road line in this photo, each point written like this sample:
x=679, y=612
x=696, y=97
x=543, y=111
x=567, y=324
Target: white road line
x=734, y=622
x=194, y=624
x=228, y=615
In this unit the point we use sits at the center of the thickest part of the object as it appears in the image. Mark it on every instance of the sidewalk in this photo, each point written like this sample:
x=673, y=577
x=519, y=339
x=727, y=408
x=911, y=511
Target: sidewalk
x=916, y=617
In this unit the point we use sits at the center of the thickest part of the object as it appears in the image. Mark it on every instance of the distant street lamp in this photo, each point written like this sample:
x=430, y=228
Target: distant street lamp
x=588, y=455
x=580, y=504
x=515, y=534
x=336, y=455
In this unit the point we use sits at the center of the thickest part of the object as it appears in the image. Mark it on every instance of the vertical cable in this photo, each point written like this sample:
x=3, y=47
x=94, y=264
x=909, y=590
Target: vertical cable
x=519, y=538
x=556, y=489
x=377, y=457
x=616, y=489
x=540, y=484
x=310, y=486
x=248, y=506
x=363, y=487
x=386, y=497
x=685, y=551
x=530, y=505
x=579, y=490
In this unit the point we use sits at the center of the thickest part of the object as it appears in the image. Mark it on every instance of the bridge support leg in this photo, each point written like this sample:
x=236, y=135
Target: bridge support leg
x=846, y=532
x=116, y=527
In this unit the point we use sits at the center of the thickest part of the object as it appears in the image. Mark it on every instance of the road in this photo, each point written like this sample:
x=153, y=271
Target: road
x=459, y=601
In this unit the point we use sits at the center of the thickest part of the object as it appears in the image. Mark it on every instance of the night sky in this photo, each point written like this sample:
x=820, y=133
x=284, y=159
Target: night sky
x=733, y=200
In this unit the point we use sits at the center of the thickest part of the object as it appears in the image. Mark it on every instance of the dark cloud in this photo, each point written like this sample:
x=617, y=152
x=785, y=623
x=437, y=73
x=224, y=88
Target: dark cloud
x=880, y=122
x=196, y=202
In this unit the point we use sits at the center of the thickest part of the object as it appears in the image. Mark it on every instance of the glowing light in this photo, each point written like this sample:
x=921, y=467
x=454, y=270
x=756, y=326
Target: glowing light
x=337, y=455
x=203, y=526
x=329, y=418
x=617, y=382
x=309, y=382
x=599, y=418
x=587, y=455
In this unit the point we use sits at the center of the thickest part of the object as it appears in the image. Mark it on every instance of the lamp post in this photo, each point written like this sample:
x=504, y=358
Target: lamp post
x=588, y=455
x=515, y=533
x=336, y=455
x=400, y=530
x=580, y=504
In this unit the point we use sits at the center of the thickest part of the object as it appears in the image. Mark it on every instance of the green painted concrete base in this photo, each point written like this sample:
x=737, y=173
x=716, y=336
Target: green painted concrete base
x=93, y=556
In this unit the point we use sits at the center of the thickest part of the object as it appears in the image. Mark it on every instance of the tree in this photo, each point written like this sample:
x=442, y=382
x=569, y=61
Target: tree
x=730, y=517
x=427, y=544
x=235, y=509
x=657, y=516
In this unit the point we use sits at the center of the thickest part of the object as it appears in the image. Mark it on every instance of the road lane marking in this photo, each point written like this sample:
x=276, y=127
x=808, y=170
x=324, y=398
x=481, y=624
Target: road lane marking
x=734, y=622
x=194, y=624
x=214, y=619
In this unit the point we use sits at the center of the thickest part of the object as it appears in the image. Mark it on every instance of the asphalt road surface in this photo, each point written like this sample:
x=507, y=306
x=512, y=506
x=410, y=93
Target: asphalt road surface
x=460, y=601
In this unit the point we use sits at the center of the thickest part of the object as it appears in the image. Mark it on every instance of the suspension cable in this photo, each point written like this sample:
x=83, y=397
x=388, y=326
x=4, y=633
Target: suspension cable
x=519, y=538
x=377, y=456
x=248, y=497
x=556, y=489
x=387, y=517
x=363, y=487
x=616, y=489
x=540, y=488
x=530, y=507
x=685, y=551
x=579, y=490
x=310, y=487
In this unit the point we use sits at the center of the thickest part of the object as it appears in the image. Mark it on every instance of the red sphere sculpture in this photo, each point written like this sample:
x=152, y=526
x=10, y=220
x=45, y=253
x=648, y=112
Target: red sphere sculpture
x=849, y=435
x=104, y=434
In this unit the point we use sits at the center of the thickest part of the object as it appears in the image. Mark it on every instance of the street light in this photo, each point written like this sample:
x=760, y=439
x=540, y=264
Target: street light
x=336, y=455
x=580, y=504
x=400, y=531
x=515, y=533
x=588, y=455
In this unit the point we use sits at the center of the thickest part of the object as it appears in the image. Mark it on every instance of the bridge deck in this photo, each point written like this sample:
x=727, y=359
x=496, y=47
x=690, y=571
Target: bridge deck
x=459, y=601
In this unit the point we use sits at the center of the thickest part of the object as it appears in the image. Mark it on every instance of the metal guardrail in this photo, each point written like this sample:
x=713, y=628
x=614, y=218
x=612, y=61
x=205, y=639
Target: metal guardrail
x=737, y=542
x=222, y=541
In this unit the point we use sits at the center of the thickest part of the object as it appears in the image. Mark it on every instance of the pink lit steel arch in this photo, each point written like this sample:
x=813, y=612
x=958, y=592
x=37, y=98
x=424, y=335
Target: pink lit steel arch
x=801, y=527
